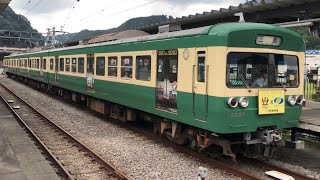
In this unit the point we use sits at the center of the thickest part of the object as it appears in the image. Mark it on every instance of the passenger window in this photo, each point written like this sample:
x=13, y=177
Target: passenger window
x=51, y=64
x=201, y=66
x=100, y=66
x=29, y=63
x=81, y=65
x=67, y=64
x=44, y=64
x=37, y=64
x=112, y=66
x=74, y=65
x=143, y=68
x=126, y=67
x=61, y=64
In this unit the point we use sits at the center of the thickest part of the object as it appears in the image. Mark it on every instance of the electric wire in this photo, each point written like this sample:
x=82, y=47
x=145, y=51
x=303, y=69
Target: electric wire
x=73, y=6
x=129, y=9
x=33, y=7
x=102, y=10
x=139, y=6
x=24, y=7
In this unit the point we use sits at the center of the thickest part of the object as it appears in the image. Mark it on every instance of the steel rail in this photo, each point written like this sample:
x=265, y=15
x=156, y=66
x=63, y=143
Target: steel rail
x=99, y=159
x=269, y=166
x=204, y=158
x=62, y=171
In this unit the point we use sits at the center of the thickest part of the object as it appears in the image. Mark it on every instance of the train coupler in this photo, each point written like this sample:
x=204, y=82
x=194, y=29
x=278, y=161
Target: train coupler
x=270, y=136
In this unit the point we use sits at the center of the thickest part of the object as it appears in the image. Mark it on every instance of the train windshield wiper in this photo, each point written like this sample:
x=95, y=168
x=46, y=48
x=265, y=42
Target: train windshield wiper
x=245, y=82
x=284, y=86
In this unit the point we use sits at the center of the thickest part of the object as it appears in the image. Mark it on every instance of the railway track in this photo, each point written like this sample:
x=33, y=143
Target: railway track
x=268, y=167
x=234, y=170
x=72, y=159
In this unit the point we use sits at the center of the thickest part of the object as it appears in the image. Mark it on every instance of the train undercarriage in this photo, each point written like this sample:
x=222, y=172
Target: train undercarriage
x=263, y=142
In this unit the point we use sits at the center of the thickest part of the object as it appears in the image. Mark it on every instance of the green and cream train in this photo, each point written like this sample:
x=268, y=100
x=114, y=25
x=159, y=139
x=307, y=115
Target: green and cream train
x=231, y=86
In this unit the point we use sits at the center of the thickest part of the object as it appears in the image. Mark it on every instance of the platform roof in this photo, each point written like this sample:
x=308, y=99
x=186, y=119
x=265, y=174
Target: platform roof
x=3, y=5
x=262, y=11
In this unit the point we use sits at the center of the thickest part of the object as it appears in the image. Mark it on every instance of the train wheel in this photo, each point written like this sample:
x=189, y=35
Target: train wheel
x=193, y=143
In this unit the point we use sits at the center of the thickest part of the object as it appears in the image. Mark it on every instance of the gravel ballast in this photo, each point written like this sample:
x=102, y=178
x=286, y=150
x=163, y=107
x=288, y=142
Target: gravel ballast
x=135, y=154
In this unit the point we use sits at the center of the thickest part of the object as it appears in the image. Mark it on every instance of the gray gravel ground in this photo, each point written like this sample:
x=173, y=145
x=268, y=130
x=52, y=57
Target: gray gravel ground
x=133, y=153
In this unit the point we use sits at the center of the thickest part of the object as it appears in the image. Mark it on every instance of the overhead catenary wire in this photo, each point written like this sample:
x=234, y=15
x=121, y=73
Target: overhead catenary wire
x=102, y=10
x=33, y=7
x=73, y=6
x=129, y=9
x=24, y=7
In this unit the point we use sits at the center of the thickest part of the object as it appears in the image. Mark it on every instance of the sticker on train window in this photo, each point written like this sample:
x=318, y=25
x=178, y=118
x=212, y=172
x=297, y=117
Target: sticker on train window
x=268, y=40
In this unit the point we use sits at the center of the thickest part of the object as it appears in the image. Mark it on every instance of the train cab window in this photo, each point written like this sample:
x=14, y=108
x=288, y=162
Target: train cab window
x=74, y=65
x=61, y=64
x=67, y=64
x=201, y=66
x=126, y=67
x=143, y=68
x=81, y=65
x=100, y=66
x=44, y=64
x=112, y=66
x=262, y=70
x=51, y=64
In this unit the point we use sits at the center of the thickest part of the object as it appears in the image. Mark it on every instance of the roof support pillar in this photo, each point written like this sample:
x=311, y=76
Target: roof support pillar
x=315, y=29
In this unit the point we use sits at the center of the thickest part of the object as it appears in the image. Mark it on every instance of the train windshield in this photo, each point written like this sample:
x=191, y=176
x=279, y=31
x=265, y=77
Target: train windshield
x=262, y=70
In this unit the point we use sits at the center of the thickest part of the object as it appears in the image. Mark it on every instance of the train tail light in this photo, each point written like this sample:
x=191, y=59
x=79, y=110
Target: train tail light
x=299, y=100
x=244, y=102
x=232, y=102
x=292, y=100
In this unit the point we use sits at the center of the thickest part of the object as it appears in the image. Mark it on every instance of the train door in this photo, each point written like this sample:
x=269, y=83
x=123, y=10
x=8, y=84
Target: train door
x=199, y=86
x=167, y=77
x=56, y=68
x=90, y=72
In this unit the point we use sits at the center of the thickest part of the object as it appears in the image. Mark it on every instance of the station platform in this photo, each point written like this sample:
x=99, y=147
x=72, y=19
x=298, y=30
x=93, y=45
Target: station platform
x=20, y=159
x=310, y=117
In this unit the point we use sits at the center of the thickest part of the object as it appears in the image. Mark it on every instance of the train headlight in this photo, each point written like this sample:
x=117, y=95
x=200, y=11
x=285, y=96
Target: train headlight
x=299, y=100
x=292, y=100
x=232, y=102
x=244, y=102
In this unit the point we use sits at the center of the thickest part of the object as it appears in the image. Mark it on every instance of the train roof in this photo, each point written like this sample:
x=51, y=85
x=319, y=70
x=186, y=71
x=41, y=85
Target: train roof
x=220, y=31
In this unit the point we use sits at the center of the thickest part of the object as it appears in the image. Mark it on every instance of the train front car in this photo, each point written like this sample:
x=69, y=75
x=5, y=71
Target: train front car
x=255, y=86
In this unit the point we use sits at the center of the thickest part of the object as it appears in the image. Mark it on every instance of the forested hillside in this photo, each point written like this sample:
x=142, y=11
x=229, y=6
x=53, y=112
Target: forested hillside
x=9, y=20
x=130, y=24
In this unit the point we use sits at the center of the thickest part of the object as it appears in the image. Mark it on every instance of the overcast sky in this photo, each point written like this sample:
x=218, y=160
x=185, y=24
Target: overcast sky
x=104, y=14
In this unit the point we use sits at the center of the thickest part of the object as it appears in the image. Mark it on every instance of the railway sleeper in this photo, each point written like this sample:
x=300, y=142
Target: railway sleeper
x=177, y=132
